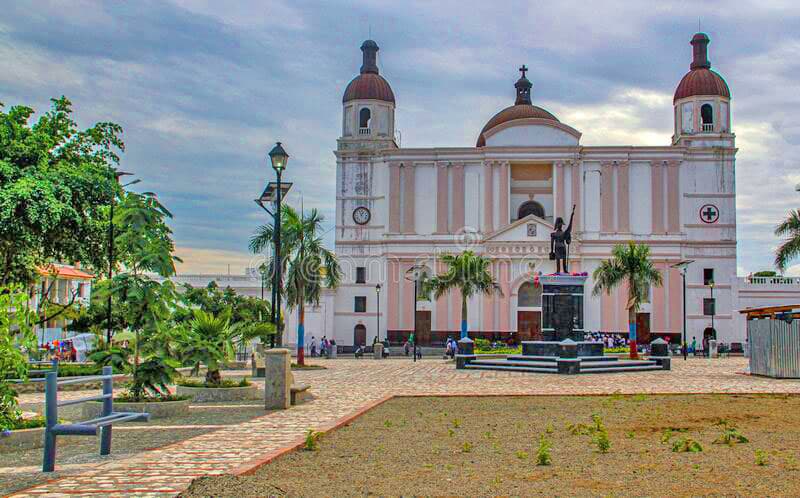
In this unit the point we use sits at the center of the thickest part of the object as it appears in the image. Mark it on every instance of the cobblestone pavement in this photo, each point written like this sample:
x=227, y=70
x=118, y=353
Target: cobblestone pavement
x=349, y=385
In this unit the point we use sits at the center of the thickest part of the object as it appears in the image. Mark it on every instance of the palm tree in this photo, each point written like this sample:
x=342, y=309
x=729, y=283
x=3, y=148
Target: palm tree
x=467, y=272
x=790, y=249
x=306, y=264
x=628, y=264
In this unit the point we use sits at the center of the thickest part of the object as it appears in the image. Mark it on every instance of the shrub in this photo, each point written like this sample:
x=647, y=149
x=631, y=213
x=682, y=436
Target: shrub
x=466, y=447
x=27, y=423
x=456, y=423
x=579, y=429
x=762, y=458
x=312, y=440
x=686, y=445
x=730, y=436
x=522, y=455
x=543, y=454
x=223, y=383
x=602, y=441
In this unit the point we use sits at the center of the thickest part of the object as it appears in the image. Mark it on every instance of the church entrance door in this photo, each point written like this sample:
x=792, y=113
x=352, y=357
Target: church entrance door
x=360, y=335
x=424, y=328
x=529, y=326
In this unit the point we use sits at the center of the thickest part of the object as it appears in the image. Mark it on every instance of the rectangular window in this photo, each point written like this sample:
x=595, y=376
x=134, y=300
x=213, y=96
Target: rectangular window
x=709, y=306
x=81, y=290
x=361, y=275
x=360, y=305
x=708, y=276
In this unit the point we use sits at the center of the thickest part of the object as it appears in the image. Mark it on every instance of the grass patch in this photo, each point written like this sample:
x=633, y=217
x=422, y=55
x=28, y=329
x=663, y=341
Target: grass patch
x=224, y=383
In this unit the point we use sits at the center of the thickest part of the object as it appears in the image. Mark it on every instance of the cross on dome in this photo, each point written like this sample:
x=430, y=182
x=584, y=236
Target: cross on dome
x=523, y=69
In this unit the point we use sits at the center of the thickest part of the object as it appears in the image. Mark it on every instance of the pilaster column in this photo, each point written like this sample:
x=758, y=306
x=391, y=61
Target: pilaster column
x=657, y=193
x=458, y=198
x=606, y=197
x=441, y=198
x=560, y=204
x=394, y=198
x=673, y=197
x=408, y=198
x=488, y=198
x=623, y=197
x=505, y=209
x=577, y=199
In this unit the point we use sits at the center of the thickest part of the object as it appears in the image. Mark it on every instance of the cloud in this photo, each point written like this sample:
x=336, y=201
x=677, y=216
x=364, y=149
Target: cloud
x=204, y=88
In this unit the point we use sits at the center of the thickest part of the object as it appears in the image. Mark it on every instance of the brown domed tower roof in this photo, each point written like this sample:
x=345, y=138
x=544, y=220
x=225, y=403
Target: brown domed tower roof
x=701, y=79
x=369, y=85
x=522, y=108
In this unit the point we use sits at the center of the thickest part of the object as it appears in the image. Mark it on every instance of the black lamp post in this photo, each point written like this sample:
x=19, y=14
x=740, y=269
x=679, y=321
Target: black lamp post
x=412, y=274
x=117, y=176
x=713, y=310
x=378, y=309
x=274, y=192
x=683, y=266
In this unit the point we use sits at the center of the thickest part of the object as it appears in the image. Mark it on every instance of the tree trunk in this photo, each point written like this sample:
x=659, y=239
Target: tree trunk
x=213, y=377
x=634, y=354
x=301, y=334
x=464, y=332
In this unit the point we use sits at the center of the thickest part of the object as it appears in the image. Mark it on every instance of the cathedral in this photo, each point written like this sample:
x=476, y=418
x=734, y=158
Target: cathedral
x=399, y=209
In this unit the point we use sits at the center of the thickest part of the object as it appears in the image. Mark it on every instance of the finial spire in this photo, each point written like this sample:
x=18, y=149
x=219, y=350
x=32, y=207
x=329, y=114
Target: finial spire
x=369, y=50
x=523, y=87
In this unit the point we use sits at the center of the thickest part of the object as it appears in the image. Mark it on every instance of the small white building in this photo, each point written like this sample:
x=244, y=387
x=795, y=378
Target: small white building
x=61, y=284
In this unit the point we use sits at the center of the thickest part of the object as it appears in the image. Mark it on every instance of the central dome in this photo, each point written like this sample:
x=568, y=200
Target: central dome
x=517, y=111
x=369, y=85
x=522, y=108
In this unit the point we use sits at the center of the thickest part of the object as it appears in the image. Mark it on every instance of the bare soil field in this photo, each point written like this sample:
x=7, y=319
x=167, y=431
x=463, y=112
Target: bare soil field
x=490, y=446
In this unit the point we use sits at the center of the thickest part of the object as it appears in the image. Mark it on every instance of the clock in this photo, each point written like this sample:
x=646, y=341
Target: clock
x=361, y=215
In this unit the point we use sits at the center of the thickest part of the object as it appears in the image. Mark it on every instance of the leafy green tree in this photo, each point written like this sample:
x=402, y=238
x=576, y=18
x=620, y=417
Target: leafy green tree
x=467, y=272
x=56, y=183
x=629, y=264
x=211, y=343
x=16, y=335
x=247, y=310
x=306, y=264
x=789, y=229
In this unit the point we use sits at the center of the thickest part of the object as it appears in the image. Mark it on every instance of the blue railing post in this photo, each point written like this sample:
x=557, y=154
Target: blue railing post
x=54, y=364
x=51, y=419
x=108, y=408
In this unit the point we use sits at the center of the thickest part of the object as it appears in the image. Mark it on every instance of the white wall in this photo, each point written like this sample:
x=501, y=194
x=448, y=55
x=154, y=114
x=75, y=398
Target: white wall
x=531, y=135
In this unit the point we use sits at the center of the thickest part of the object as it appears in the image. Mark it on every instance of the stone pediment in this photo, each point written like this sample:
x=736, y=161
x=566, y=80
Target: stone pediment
x=528, y=229
x=526, y=236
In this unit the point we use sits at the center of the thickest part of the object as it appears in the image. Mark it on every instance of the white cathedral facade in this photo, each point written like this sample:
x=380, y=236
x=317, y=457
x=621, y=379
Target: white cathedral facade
x=401, y=208
x=398, y=208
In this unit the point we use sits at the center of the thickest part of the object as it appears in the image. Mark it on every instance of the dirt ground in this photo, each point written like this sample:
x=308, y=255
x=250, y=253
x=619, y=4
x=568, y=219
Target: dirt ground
x=487, y=446
x=21, y=469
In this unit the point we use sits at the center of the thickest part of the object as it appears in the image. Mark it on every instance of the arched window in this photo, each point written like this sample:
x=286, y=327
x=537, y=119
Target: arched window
x=529, y=296
x=530, y=207
x=707, y=117
x=364, y=117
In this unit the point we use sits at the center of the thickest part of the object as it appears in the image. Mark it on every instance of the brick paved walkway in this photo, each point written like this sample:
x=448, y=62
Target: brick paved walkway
x=349, y=385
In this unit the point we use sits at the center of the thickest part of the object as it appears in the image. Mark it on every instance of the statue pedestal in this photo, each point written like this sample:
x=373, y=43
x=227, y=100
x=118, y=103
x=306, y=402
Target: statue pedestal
x=562, y=307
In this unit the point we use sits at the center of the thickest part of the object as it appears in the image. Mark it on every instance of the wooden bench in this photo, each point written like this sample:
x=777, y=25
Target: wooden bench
x=103, y=423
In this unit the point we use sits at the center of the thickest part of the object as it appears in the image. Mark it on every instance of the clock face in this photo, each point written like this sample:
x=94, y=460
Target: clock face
x=361, y=215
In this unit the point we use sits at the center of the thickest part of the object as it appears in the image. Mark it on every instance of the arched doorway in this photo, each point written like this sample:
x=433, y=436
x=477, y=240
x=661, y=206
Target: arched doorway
x=708, y=334
x=360, y=335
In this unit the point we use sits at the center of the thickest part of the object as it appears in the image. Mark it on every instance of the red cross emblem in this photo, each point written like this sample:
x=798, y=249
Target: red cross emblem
x=709, y=213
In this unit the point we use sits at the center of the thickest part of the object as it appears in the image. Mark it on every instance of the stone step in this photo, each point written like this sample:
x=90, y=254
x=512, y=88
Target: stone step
x=502, y=362
x=511, y=368
x=612, y=369
x=552, y=359
x=616, y=364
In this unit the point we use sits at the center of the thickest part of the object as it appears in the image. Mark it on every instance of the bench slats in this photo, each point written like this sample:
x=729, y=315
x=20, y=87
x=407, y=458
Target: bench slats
x=83, y=400
x=80, y=380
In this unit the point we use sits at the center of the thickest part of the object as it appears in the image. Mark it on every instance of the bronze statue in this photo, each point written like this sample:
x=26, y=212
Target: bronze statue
x=559, y=243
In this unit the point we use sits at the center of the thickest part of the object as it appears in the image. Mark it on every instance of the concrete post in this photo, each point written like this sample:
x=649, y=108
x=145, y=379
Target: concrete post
x=377, y=351
x=277, y=379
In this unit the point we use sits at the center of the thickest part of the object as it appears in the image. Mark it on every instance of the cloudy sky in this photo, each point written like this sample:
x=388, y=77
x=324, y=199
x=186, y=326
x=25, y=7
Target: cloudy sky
x=203, y=88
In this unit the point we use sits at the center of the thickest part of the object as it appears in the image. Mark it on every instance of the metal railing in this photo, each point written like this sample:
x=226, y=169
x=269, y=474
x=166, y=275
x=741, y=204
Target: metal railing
x=772, y=280
x=708, y=126
x=364, y=131
x=107, y=417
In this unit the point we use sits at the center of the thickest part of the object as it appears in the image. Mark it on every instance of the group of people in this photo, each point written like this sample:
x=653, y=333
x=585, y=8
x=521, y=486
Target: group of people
x=321, y=347
x=609, y=340
x=450, y=348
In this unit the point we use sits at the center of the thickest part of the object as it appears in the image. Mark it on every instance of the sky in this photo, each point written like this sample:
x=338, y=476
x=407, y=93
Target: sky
x=204, y=88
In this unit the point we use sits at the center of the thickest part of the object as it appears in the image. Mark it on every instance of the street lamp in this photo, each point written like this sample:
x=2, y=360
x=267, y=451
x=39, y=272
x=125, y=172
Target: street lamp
x=413, y=274
x=713, y=309
x=378, y=309
x=117, y=176
x=274, y=192
x=683, y=266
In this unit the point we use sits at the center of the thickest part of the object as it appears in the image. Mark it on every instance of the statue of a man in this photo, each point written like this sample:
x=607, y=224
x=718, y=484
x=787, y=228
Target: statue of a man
x=559, y=241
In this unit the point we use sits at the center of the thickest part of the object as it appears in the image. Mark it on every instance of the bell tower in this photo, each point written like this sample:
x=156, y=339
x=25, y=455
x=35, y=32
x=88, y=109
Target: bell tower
x=368, y=106
x=702, y=102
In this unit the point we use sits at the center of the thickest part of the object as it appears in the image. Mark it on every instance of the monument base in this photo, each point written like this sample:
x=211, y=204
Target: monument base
x=553, y=348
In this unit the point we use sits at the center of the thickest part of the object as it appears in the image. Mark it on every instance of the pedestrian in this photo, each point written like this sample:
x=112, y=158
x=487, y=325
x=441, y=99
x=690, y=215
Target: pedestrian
x=313, y=346
x=406, y=347
x=694, y=345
